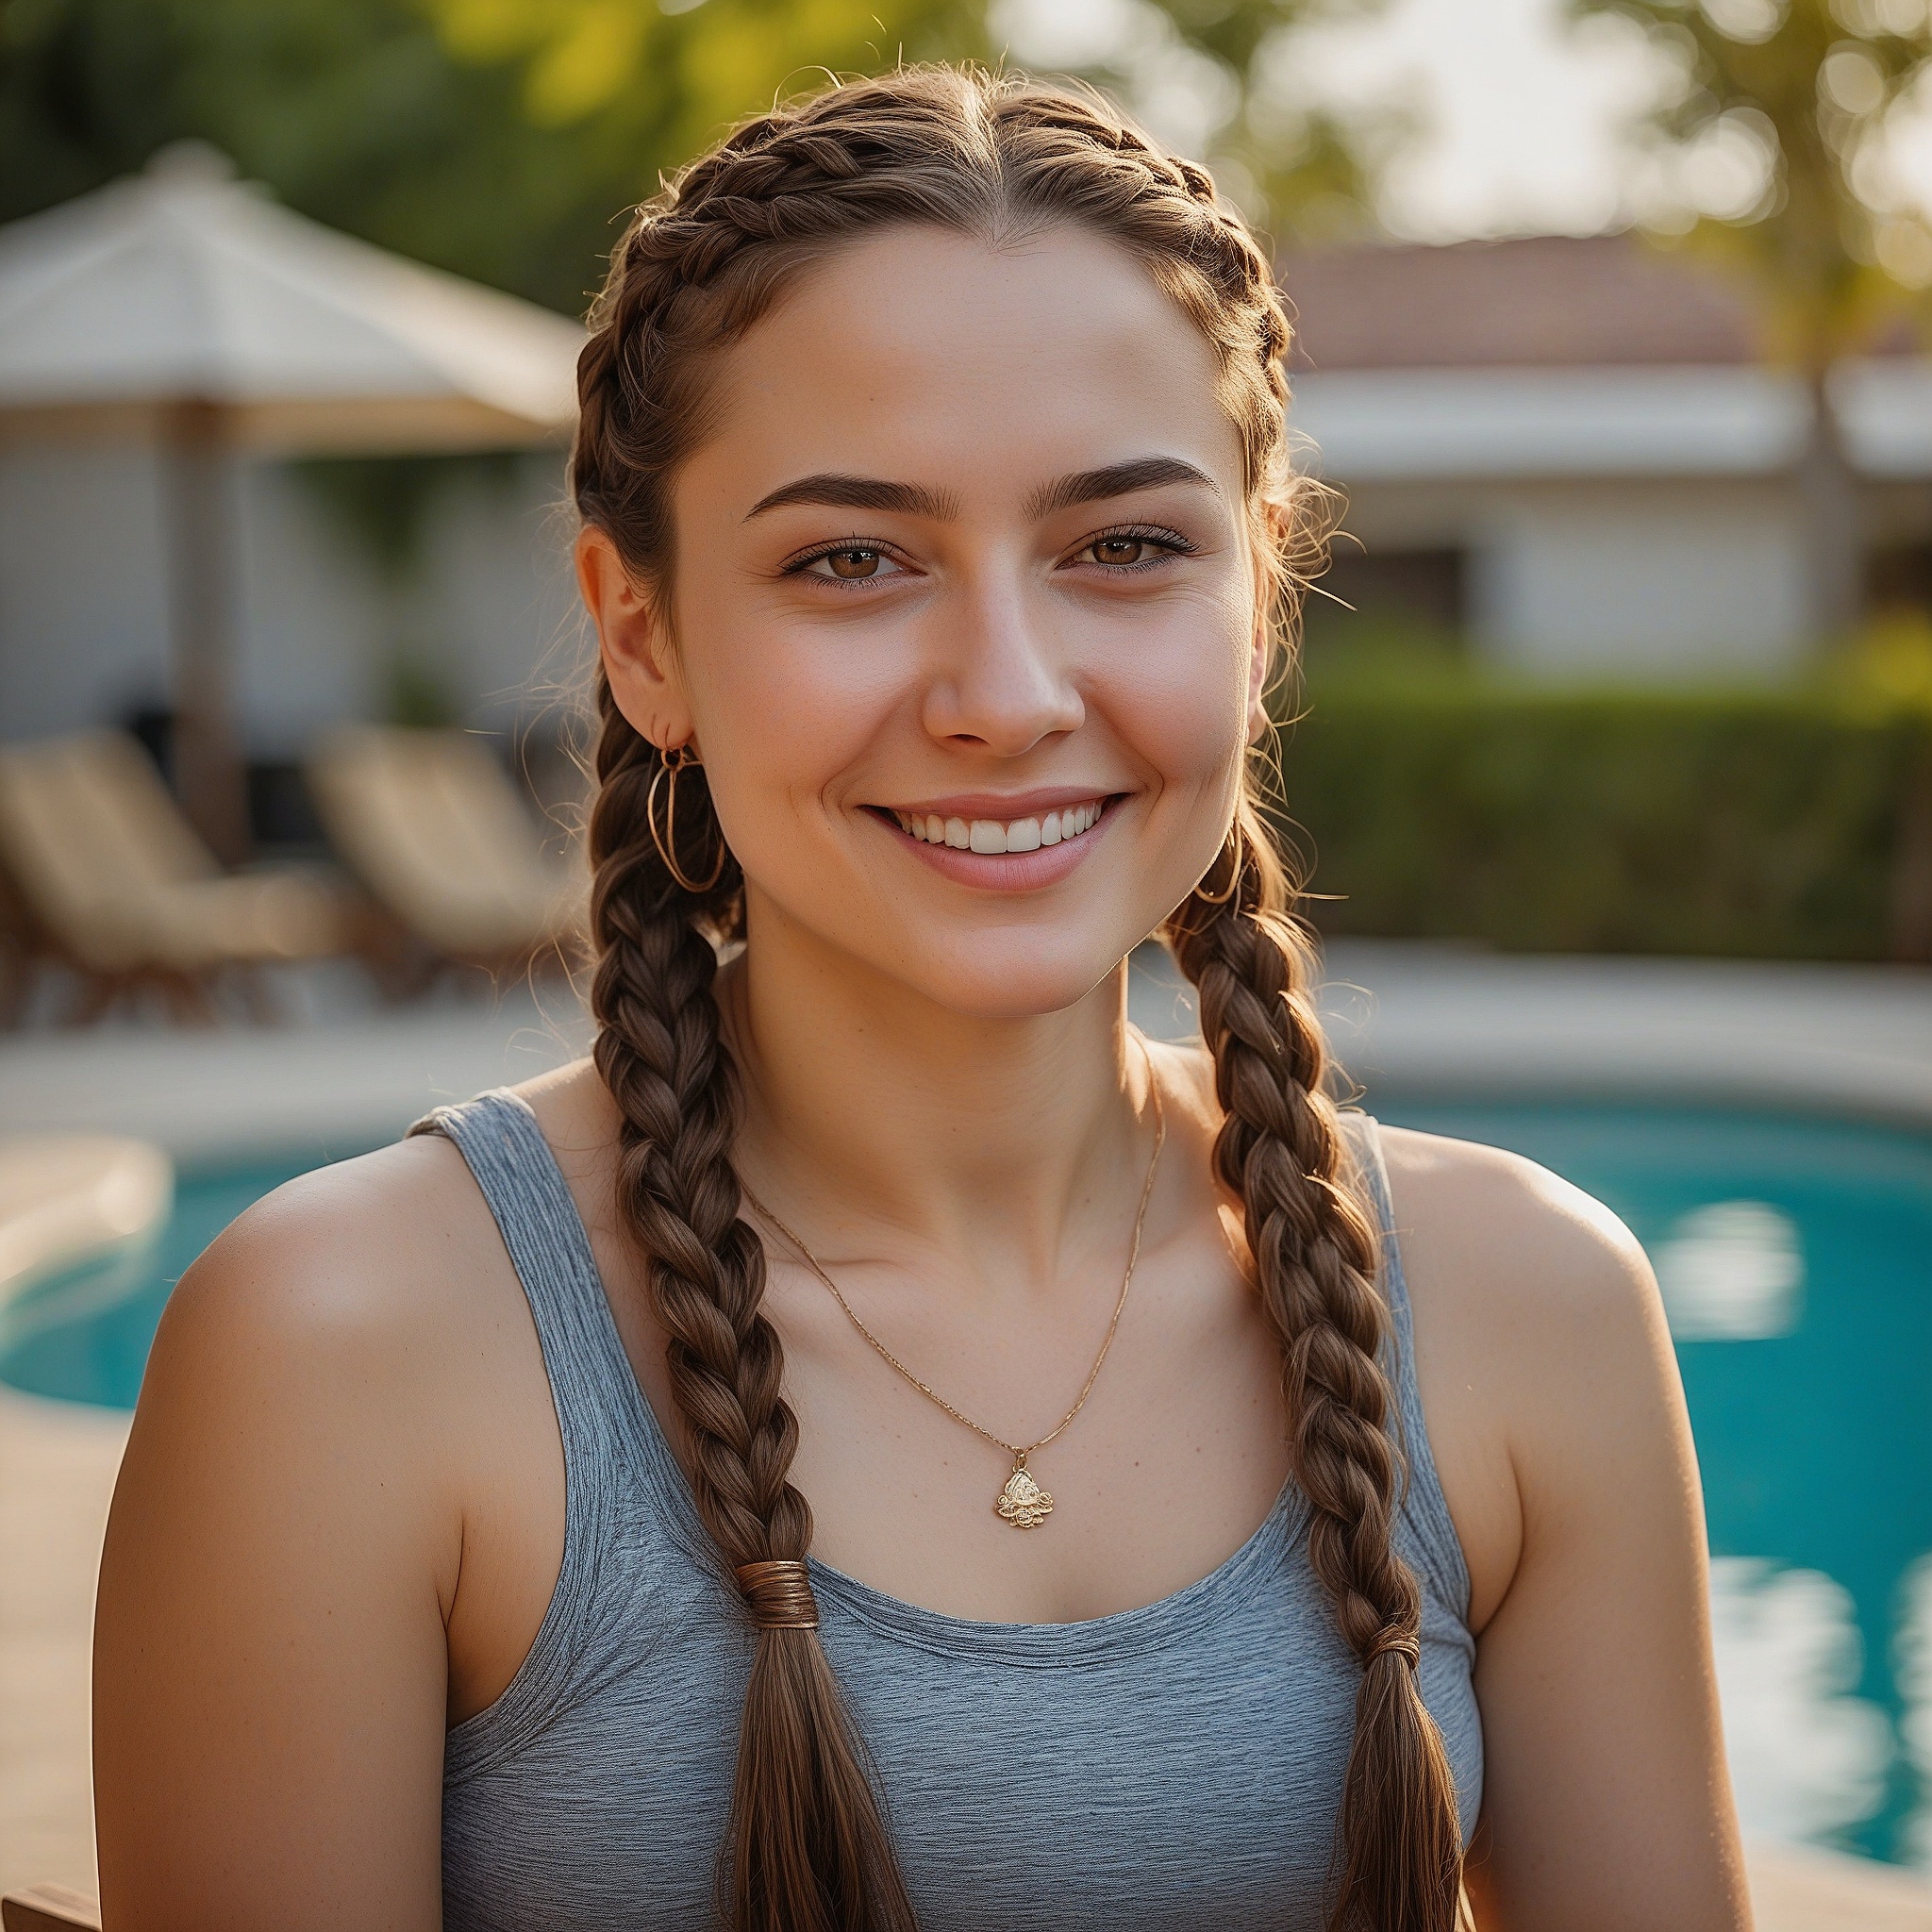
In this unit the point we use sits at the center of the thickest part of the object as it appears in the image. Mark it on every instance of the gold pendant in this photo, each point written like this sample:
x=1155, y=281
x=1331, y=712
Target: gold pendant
x=1022, y=1501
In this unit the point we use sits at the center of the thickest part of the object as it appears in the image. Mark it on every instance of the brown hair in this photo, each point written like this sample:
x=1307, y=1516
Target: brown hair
x=991, y=155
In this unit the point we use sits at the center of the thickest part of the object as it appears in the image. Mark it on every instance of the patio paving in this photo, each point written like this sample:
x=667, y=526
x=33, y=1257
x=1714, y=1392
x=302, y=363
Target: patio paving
x=57, y=1471
x=1414, y=1018
x=353, y=1081
x=1404, y=1018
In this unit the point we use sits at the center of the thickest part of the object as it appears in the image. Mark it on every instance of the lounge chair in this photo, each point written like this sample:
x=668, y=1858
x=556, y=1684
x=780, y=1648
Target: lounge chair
x=49, y=1909
x=108, y=879
x=432, y=826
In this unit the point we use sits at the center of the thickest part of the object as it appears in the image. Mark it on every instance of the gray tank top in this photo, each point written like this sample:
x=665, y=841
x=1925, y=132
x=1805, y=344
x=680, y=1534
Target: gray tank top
x=1177, y=1766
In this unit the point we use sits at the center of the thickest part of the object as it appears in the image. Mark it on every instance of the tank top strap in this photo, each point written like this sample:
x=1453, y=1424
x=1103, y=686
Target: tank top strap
x=590, y=1380
x=1425, y=1506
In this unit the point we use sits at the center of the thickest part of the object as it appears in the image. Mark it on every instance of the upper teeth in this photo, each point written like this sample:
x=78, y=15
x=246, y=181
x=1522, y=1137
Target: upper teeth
x=991, y=835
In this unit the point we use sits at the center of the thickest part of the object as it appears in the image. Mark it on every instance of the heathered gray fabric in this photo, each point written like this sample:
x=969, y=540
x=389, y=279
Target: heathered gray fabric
x=1173, y=1767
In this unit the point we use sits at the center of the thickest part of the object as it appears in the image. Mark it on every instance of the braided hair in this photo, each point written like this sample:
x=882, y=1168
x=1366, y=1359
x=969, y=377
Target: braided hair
x=993, y=156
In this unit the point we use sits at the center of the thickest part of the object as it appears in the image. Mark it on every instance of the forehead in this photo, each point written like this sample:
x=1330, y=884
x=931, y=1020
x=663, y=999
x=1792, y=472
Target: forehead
x=922, y=355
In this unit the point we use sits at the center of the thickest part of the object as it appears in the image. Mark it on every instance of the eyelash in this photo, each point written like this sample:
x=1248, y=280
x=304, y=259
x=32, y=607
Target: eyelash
x=798, y=566
x=1172, y=542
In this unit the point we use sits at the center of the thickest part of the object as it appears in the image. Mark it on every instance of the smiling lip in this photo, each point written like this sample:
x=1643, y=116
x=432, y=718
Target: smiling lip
x=1015, y=843
x=1003, y=805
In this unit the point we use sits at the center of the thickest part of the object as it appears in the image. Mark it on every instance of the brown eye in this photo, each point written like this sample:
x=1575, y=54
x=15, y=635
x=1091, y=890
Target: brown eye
x=1119, y=551
x=854, y=563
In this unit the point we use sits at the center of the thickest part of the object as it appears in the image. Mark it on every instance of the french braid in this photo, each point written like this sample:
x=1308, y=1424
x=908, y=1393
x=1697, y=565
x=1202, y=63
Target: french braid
x=990, y=155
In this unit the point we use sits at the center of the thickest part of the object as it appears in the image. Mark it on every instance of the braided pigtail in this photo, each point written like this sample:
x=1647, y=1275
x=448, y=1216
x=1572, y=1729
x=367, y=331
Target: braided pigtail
x=1280, y=1149
x=805, y=1849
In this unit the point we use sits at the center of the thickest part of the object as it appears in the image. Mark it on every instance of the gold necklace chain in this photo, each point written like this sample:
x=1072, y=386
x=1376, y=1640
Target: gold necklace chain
x=1021, y=1501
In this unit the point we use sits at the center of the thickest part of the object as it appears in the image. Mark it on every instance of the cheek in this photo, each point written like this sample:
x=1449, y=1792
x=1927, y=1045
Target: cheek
x=781, y=716
x=1183, y=706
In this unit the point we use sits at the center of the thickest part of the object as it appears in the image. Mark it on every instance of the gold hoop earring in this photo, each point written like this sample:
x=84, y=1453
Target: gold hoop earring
x=673, y=761
x=1238, y=841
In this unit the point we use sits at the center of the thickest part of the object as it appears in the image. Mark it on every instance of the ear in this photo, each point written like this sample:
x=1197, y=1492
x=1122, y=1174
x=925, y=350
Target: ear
x=634, y=643
x=1261, y=648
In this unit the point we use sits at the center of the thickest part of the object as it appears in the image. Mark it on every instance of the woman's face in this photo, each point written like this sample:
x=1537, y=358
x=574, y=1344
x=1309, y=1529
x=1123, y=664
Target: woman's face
x=964, y=614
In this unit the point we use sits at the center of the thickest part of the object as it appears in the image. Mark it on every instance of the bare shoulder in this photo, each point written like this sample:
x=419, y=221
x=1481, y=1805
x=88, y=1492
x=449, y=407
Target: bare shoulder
x=1541, y=1352
x=355, y=1350
x=364, y=1315
x=348, y=1260
x=320, y=1431
x=382, y=1269
x=1509, y=1245
x=1558, y=1430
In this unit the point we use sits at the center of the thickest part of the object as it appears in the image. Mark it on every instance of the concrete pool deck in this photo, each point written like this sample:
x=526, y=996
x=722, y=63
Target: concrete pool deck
x=1411, y=1017
x=1406, y=1018
x=351, y=1084
x=56, y=1472
x=1421, y=1017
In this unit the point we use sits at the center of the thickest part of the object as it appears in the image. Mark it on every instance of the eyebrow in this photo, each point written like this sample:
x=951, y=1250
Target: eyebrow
x=1116, y=479
x=860, y=492
x=918, y=500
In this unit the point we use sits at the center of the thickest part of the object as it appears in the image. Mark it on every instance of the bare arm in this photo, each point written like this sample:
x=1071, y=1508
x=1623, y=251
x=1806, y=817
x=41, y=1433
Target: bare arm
x=284, y=1545
x=1607, y=1805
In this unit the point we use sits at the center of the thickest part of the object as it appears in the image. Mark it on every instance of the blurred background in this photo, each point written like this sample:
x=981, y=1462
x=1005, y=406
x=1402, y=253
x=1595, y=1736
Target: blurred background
x=1610, y=748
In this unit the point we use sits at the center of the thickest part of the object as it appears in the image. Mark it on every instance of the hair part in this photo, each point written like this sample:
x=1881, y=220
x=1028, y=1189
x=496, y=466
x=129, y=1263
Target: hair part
x=995, y=156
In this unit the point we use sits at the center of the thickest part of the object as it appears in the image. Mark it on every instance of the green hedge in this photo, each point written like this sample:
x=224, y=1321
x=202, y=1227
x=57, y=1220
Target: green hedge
x=1793, y=825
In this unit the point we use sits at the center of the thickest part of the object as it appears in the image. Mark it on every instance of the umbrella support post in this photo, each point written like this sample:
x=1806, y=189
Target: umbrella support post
x=209, y=771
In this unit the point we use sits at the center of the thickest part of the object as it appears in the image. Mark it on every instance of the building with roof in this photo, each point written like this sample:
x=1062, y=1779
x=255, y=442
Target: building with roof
x=1573, y=451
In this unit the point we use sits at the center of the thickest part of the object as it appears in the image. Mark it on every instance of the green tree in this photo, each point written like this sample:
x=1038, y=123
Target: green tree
x=1218, y=78
x=1828, y=242
x=500, y=139
x=589, y=62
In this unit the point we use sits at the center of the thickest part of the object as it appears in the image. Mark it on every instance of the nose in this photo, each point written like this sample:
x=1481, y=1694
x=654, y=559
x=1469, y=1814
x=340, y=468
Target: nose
x=1001, y=682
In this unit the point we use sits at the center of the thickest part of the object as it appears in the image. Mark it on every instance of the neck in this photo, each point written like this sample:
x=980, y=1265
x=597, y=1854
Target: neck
x=870, y=1108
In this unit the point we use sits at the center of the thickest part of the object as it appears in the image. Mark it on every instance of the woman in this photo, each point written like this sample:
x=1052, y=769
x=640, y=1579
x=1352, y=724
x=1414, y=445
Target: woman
x=1181, y=1551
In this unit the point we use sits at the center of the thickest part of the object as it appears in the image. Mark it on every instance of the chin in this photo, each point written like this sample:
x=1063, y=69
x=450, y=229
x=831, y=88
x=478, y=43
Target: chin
x=1015, y=974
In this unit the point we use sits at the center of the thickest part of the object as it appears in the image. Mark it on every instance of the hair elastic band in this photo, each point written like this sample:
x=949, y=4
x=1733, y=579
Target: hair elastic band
x=1399, y=1643
x=778, y=1594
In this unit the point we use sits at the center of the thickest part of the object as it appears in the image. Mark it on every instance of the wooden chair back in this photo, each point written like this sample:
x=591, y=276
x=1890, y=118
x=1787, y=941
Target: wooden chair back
x=92, y=838
x=49, y=1909
x=431, y=823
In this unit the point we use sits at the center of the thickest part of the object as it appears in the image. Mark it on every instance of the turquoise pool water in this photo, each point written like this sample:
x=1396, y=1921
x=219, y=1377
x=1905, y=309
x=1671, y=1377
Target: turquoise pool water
x=1813, y=1420
x=85, y=1335
x=1796, y=1258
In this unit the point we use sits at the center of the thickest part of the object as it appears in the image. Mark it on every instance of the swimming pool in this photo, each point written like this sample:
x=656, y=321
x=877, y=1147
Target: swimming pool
x=84, y=1334
x=1796, y=1259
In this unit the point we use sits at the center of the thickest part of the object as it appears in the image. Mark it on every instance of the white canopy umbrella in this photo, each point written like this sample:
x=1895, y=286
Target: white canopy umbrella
x=184, y=304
